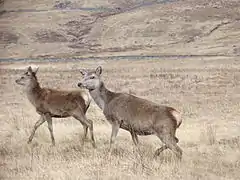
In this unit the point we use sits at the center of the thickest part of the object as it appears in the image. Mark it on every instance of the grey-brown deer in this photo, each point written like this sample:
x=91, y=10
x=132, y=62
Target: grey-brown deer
x=136, y=115
x=50, y=103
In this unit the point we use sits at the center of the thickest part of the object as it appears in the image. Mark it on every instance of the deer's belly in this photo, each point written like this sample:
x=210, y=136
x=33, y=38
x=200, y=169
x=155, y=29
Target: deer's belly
x=59, y=113
x=137, y=130
x=130, y=124
x=56, y=113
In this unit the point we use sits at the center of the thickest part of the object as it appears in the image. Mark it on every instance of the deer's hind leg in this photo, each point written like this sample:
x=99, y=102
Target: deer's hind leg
x=87, y=123
x=167, y=135
x=171, y=143
x=134, y=136
x=36, y=126
x=159, y=150
x=85, y=131
x=164, y=147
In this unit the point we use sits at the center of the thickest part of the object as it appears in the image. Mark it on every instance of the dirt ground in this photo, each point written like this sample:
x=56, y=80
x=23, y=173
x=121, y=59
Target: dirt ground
x=205, y=90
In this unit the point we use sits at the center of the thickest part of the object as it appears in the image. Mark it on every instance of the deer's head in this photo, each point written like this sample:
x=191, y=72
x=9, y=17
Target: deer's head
x=91, y=79
x=28, y=78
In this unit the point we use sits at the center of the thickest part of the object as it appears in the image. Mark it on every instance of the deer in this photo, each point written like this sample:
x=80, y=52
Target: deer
x=52, y=103
x=133, y=114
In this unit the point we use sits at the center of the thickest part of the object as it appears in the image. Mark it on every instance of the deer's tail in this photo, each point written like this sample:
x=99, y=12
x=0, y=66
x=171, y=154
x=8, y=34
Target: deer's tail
x=177, y=116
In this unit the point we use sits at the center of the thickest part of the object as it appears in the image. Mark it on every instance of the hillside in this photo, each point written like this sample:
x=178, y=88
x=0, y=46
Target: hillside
x=102, y=28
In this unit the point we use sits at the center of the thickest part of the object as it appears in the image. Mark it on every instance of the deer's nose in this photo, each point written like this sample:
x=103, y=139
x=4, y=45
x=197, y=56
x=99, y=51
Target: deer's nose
x=80, y=84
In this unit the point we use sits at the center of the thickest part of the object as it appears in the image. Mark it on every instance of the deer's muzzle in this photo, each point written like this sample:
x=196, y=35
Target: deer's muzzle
x=19, y=82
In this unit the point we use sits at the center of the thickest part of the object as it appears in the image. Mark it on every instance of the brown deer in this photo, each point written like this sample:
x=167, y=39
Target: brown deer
x=134, y=114
x=50, y=103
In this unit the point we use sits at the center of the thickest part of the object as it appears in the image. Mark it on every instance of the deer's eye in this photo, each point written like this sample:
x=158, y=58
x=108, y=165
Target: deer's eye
x=27, y=74
x=92, y=77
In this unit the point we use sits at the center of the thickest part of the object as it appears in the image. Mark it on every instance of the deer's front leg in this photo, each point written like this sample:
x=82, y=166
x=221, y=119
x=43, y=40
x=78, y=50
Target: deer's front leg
x=37, y=124
x=115, y=129
x=50, y=127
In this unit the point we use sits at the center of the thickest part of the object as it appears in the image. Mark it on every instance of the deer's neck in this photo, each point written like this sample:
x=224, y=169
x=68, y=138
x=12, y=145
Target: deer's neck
x=34, y=93
x=102, y=95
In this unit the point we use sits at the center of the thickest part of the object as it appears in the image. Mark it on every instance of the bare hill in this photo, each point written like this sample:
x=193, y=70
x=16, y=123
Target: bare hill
x=99, y=28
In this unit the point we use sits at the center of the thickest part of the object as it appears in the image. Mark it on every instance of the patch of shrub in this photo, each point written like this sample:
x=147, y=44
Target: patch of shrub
x=46, y=36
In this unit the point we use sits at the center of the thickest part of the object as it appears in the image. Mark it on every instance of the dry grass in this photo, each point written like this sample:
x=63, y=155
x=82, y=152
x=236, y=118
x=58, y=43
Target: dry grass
x=205, y=90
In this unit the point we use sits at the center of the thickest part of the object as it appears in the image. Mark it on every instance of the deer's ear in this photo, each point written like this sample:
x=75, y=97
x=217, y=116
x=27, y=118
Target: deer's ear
x=29, y=69
x=83, y=72
x=98, y=70
x=35, y=70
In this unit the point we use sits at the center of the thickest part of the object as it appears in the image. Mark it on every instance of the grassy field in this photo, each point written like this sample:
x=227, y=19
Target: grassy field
x=205, y=90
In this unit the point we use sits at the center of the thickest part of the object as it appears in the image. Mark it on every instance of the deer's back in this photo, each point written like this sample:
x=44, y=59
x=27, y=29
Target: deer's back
x=61, y=103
